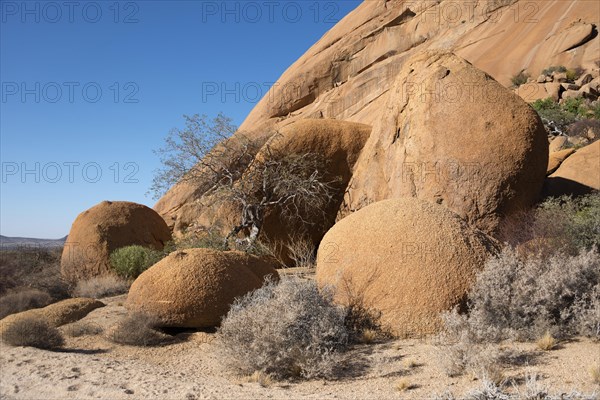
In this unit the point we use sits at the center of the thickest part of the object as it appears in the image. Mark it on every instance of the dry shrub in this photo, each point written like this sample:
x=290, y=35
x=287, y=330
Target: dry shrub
x=595, y=373
x=403, y=384
x=546, y=342
x=33, y=332
x=23, y=299
x=33, y=267
x=362, y=320
x=558, y=225
x=102, y=286
x=516, y=298
x=302, y=251
x=138, y=329
x=264, y=380
x=78, y=329
x=290, y=329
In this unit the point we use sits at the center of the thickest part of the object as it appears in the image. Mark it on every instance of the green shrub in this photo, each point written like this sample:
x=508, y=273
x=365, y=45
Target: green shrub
x=551, y=70
x=290, y=329
x=564, y=224
x=131, y=261
x=573, y=74
x=210, y=239
x=33, y=332
x=574, y=223
x=519, y=79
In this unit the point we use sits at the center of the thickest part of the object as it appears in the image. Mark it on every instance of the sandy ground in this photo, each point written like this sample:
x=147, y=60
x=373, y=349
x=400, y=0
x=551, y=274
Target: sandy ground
x=90, y=367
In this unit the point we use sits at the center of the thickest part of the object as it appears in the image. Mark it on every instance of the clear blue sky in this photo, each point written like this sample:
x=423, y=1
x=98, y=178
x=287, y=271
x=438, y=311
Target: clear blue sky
x=94, y=87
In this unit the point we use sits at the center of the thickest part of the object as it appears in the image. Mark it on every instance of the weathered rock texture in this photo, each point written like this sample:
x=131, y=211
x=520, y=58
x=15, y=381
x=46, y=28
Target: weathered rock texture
x=452, y=135
x=408, y=258
x=578, y=174
x=194, y=288
x=57, y=314
x=350, y=73
x=102, y=229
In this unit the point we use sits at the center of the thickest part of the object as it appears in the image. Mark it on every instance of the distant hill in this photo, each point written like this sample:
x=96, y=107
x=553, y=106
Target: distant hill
x=12, y=242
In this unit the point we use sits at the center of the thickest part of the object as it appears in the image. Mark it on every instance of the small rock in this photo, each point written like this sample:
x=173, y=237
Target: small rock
x=570, y=86
x=584, y=79
x=541, y=79
x=570, y=94
x=588, y=92
x=557, y=144
x=560, y=77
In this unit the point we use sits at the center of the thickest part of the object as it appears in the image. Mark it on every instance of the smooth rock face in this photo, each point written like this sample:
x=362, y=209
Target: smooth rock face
x=557, y=144
x=411, y=260
x=481, y=153
x=338, y=142
x=556, y=158
x=578, y=174
x=102, y=229
x=348, y=73
x=57, y=314
x=194, y=288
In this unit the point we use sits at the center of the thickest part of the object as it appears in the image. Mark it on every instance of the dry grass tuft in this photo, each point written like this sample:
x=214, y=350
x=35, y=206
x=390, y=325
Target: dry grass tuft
x=263, y=379
x=79, y=329
x=137, y=329
x=100, y=287
x=410, y=363
x=368, y=336
x=546, y=342
x=595, y=373
x=33, y=332
x=403, y=385
x=302, y=251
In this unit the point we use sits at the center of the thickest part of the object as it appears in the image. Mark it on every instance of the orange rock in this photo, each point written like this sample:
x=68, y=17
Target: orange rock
x=408, y=258
x=102, y=229
x=194, y=288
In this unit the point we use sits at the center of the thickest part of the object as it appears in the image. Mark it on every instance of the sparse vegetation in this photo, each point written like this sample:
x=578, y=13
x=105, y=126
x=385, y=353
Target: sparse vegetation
x=102, y=286
x=550, y=70
x=302, y=251
x=403, y=384
x=138, y=329
x=520, y=79
x=558, y=225
x=287, y=330
x=23, y=299
x=362, y=321
x=546, y=342
x=227, y=169
x=595, y=373
x=32, y=268
x=559, y=117
x=130, y=261
x=264, y=380
x=33, y=332
x=523, y=298
x=78, y=329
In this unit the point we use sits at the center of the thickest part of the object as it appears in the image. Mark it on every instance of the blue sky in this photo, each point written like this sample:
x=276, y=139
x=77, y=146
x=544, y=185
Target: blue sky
x=90, y=88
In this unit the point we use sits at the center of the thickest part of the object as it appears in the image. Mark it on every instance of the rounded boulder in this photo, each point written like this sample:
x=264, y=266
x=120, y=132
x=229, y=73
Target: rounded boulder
x=407, y=258
x=104, y=228
x=194, y=288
